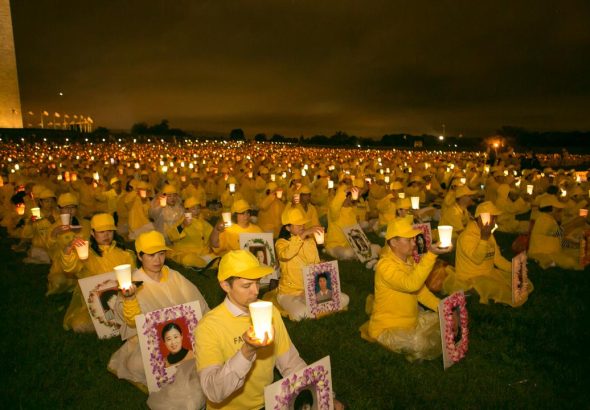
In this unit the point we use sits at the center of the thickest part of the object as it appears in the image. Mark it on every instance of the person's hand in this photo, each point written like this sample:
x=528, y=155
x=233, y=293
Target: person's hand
x=440, y=251
x=338, y=405
x=76, y=243
x=59, y=229
x=485, y=230
x=220, y=226
x=187, y=221
x=309, y=232
x=252, y=343
x=129, y=293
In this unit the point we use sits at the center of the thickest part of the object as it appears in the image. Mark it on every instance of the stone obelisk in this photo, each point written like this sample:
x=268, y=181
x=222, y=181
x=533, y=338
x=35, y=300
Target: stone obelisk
x=10, y=111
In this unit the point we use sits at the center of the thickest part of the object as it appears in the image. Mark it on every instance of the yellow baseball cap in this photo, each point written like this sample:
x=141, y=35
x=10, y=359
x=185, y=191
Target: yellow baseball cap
x=191, y=202
x=150, y=242
x=396, y=185
x=67, y=199
x=240, y=206
x=46, y=193
x=103, y=222
x=114, y=180
x=404, y=203
x=305, y=190
x=241, y=264
x=169, y=189
x=487, y=207
x=294, y=216
x=400, y=227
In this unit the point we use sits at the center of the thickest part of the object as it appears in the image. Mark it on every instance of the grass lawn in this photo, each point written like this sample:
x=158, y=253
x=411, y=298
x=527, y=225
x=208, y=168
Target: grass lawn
x=531, y=357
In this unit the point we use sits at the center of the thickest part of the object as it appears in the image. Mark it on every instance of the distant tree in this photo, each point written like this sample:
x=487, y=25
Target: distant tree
x=340, y=138
x=140, y=128
x=260, y=137
x=160, y=129
x=277, y=138
x=237, y=134
x=319, y=140
x=102, y=131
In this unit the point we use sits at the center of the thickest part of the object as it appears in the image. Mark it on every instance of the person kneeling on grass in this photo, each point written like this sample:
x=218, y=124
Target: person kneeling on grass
x=396, y=320
x=233, y=364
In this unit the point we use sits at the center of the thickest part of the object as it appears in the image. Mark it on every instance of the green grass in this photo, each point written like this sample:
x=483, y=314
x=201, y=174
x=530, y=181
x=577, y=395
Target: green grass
x=531, y=357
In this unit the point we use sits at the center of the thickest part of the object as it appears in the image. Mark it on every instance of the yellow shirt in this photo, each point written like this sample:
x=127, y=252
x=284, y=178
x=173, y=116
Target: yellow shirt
x=193, y=238
x=294, y=254
x=219, y=337
x=399, y=286
x=229, y=239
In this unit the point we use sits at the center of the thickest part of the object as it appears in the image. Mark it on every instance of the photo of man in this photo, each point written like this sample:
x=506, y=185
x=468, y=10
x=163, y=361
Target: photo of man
x=323, y=288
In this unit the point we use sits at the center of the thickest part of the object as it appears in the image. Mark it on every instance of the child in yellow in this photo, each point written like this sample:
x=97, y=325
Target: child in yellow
x=396, y=322
x=103, y=255
x=479, y=263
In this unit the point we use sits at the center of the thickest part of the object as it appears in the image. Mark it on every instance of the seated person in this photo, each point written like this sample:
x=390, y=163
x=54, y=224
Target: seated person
x=224, y=239
x=396, y=321
x=480, y=265
x=234, y=364
x=457, y=214
x=296, y=248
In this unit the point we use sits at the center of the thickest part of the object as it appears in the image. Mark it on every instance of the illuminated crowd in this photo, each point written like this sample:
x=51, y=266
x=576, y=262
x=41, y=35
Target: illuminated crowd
x=189, y=201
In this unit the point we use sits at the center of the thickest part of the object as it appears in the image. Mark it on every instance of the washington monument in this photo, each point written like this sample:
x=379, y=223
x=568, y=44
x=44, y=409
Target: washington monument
x=10, y=111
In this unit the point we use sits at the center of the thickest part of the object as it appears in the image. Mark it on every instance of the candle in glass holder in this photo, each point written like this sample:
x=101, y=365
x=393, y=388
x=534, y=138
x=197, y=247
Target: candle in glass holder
x=415, y=202
x=36, y=212
x=232, y=188
x=226, y=216
x=319, y=237
x=163, y=201
x=123, y=273
x=583, y=213
x=445, y=233
x=529, y=189
x=330, y=184
x=82, y=251
x=65, y=219
x=485, y=218
x=20, y=209
x=261, y=314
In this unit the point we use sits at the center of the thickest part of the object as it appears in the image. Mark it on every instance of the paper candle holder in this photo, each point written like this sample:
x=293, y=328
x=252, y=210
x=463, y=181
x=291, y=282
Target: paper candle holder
x=261, y=314
x=36, y=212
x=20, y=209
x=226, y=216
x=82, y=251
x=330, y=184
x=65, y=219
x=163, y=201
x=123, y=273
x=529, y=189
x=583, y=213
x=485, y=218
x=232, y=188
x=401, y=195
x=445, y=233
x=415, y=202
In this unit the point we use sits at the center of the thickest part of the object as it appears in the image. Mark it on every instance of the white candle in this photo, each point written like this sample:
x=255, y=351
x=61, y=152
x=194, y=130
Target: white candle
x=330, y=184
x=20, y=209
x=583, y=213
x=463, y=180
x=36, y=212
x=232, y=188
x=319, y=237
x=261, y=314
x=401, y=195
x=226, y=216
x=485, y=218
x=273, y=177
x=142, y=193
x=163, y=201
x=65, y=219
x=386, y=179
x=529, y=189
x=415, y=202
x=123, y=273
x=279, y=193
x=250, y=174
x=445, y=233
x=82, y=251
x=355, y=194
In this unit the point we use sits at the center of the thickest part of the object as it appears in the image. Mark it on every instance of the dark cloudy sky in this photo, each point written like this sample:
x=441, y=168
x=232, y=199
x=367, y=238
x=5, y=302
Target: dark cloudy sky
x=297, y=67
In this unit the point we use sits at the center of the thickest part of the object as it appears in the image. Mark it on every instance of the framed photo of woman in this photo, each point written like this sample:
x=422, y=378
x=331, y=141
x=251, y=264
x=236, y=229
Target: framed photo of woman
x=423, y=240
x=261, y=245
x=100, y=294
x=166, y=338
x=322, y=288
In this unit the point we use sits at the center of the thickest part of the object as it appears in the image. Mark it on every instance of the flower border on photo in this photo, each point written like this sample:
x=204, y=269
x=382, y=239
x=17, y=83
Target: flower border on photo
x=310, y=276
x=311, y=377
x=455, y=352
x=520, y=295
x=427, y=232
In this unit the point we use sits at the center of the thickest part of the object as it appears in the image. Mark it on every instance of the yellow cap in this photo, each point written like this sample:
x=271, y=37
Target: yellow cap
x=404, y=203
x=191, y=202
x=550, y=200
x=487, y=207
x=463, y=191
x=305, y=190
x=114, y=180
x=241, y=264
x=240, y=206
x=272, y=186
x=103, y=222
x=169, y=189
x=294, y=216
x=67, y=199
x=150, y=242
x=396, y=185
x=400, y=227
x=46, y=193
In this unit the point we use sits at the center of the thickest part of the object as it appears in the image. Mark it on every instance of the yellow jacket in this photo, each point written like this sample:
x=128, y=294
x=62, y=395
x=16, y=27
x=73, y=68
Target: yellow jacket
x=294, y=254
x=270, y=210
x=229, y=239
x=387, y=210
x=339, y=217
x=545, y=236
x=455, y=216
x=193, y=238
x=399, y=286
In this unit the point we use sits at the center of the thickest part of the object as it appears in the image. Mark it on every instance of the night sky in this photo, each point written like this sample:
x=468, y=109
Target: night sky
x=309, y=67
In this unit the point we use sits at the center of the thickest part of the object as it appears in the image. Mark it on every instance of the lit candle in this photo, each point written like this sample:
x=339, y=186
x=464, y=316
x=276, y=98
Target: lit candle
x=529, y=189
x=142, y=193
x=583, y=213
x=401, y=195
x=485, y=218
x=319, y=236
x=163, y=201
x=82, y=251
x=279, y=193
x=261, y=314
x=386, y=179
x=273, y=177
x=226, y=216
x=20, y=209
x=415, y=202
x=330, y=184
x=445, y=233
x=232, y=188
x=65, y=219
x=355, y=194
x=463, y=180
x=36, y=212
x=123, y=273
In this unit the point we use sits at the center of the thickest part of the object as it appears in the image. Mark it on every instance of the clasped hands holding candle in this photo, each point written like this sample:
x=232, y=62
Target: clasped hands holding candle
x=252, y=342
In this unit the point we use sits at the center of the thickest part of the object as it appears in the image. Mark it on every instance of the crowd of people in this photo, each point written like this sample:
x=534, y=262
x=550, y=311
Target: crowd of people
x=143, y=203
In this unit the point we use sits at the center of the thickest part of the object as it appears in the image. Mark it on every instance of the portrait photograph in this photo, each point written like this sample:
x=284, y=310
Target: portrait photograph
x=423, y=240
x=358, y=241
x=166, y=338
x=519, y=279
x=100, y=293
x=307, y=389
x=262, y=246
x=322, y=288
x=454, y=329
